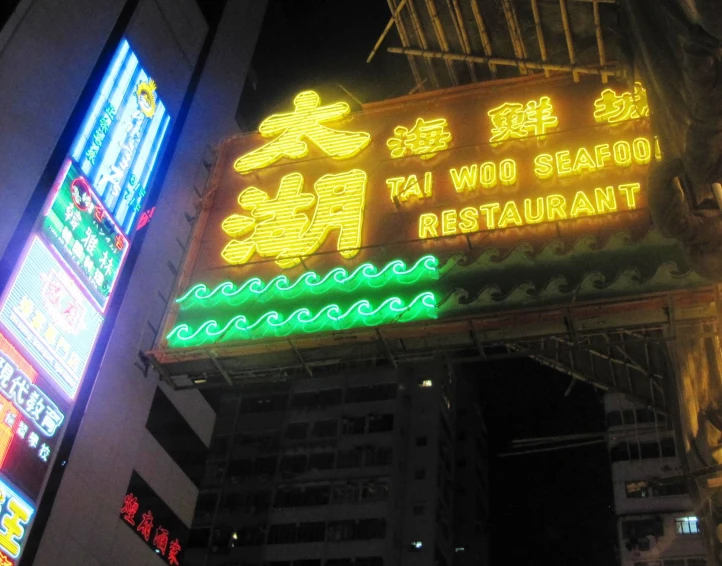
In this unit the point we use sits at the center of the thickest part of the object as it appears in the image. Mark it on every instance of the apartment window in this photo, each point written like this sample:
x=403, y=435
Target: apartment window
x=686, y=525
x=420, y=474
x=637, y=489
x=372, y=490
x=307, y=562
x=638, y=528
x=325, y=429
x=321, y=461
x=312, y=532
x=369, y=561
x=264, y=404
x=418, y=510
x=697, y=562
x=282, y=534
x=349, y=458
x=296, y=431
x=339, y=562
x=426, y=383
x=264, y=466
x=379, y=456
x=293, y=464
x=365, y=393
x=381, y=423
x=421, y=441
x=363, y=529
x=675, y=562
x=177, y=437
x=353, y=425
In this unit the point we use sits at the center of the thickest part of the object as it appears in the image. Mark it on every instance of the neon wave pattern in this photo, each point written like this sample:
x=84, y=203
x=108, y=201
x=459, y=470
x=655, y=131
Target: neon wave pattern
x=338, y=279
x=329, y=317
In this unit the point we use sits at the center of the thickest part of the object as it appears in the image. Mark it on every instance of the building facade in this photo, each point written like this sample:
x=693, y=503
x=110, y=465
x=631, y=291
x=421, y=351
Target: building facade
x=119, y=483
x=360, y=466
x=656, y=521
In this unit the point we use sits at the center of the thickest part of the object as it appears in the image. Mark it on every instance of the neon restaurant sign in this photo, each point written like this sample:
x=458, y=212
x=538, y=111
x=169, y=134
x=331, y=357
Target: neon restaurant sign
x=327, y=220
x=56, y=300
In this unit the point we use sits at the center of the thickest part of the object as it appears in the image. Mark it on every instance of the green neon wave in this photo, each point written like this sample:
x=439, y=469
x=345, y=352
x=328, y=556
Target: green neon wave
x=330, y=317
x=336, y=279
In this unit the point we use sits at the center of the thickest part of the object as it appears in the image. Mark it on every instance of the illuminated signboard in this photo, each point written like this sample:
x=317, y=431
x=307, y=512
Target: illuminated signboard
x=31, y=420
x=153, y=521
x=85, y=235
x=327, y=220
x=121, y=137
x=15, y=515
x=45, y=311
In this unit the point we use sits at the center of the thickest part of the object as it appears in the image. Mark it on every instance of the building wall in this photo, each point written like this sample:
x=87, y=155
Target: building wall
x=650, y=489
x=47, y=52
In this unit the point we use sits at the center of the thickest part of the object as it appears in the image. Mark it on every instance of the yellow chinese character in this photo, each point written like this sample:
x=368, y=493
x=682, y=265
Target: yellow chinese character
x=513, y=120
x=279, y=229
x=26, y=307
x=12, y=525
x=306, y=121
x=425, y=139
x=614, y=108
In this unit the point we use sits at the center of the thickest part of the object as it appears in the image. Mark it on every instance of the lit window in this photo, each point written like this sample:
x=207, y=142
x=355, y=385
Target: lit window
x=416, y=545
x=687, y=525
x=459, y=549
x=426, y=383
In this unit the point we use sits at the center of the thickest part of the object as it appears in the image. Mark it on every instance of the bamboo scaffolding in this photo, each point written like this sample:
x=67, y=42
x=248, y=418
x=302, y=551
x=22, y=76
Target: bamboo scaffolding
x=539, y=33
x=441, y=38
x=501, y=61
x=416, y=22
x=405, y=42
x=600, y=38
x=386, y=31
x=568, y=35
x=515, y=34
x=484, y=36
x=458, y=18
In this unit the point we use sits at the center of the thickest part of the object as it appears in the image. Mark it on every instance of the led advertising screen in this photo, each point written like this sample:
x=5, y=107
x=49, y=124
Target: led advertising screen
x=86, y=237
x=121, y=137
x=47, y=314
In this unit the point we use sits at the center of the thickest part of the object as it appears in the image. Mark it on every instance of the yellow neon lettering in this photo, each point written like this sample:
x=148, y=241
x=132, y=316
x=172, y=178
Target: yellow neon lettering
x=510, y=215
x=622, y=154
x=564, y=163
x=394, y=184
x=605, y=199
x=629, y=190
x=613, y=108
x=469, y=219
x=306, y=122
x=543, y=166
x=602, y=154
x=12, y=525
x=489, y=211
x=529, y=216
x=428, y=226
x=556, y=207
x=425, y=139
x=428, y=184
x=507, y=172
x=581, y=205
x=583, y=162
x=464, y=179
x=448, y=222
x=279, y=229
x=411, y=188
x=641, y=151
x=513, y=120
x=487, y=175
x=657, y=149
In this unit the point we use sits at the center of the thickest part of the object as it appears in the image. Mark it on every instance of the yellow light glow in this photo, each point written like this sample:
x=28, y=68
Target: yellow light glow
x=510, y=215
x=487, y=175
x=614, y=108
x=464, y=179
x=394, y=185
x=622, y=154
x=581, y=205
x=543, y=166
x=425, y=139
x=282, y=231
x=513, y=120
x=12, y=525
x=469, y=219
x=507, y=172
x=556, y=207
x=448, y=222
x=529, y=216
x=630, y=190
x=306, y=121
x=605, y=199
x=401, y=188
x=489, y=211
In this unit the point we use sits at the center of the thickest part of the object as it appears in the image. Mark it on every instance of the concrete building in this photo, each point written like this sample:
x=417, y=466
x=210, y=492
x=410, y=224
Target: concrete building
x=656, y=521
x=354, y=467
x=122, y=432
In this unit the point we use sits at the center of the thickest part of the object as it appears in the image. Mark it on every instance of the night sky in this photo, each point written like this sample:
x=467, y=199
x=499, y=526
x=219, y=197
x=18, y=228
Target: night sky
x=550, y=508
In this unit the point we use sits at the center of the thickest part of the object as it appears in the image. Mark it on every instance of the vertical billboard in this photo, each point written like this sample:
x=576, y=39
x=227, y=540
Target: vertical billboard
x=55, y=302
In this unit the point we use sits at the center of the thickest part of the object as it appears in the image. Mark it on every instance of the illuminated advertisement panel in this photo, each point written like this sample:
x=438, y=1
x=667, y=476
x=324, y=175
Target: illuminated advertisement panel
x=48, y=315
x=15, y=515
x=86, y=237
x=121, y=137
x=31, y=419
x=328, y=220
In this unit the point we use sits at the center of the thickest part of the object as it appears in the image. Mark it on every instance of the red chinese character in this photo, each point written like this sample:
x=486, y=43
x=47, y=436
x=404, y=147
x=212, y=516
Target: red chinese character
x=4, y=560
x=119, y=242
x=160, y=540
x=146, y=525
x=99, y=213
x=129, y=508
x=173, y=551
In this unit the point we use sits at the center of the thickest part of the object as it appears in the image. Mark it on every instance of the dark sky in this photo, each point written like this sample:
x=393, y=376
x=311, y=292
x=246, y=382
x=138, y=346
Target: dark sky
x=552, y=508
